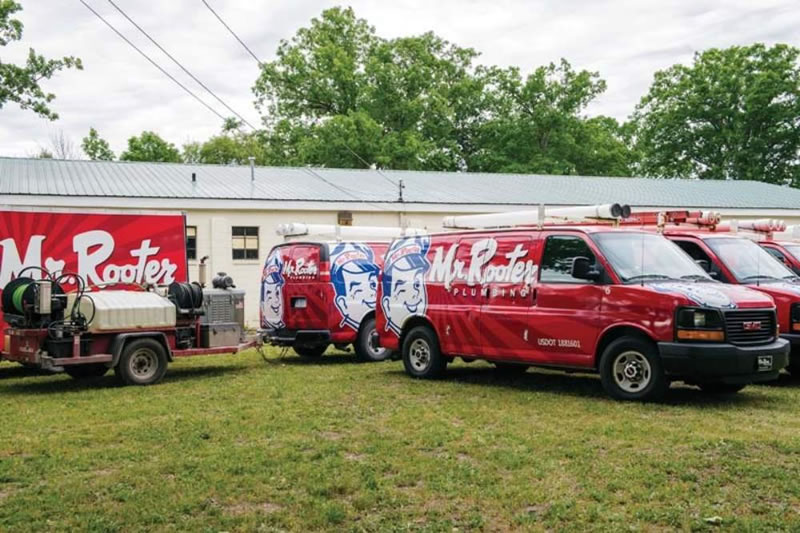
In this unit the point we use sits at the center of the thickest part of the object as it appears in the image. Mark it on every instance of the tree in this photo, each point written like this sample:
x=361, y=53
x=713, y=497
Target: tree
x=150, y=147
x=62, y=146
x=231, y=147
x=536, y=125
x=733, y=114
x=20, y=84
x=96, y=148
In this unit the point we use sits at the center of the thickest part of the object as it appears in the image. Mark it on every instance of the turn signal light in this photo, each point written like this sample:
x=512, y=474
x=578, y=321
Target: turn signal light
x=796, y=327
x=700, y=335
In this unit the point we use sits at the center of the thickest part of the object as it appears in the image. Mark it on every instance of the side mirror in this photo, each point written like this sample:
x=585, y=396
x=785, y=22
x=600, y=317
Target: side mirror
x=582, y=269
x=704, y=264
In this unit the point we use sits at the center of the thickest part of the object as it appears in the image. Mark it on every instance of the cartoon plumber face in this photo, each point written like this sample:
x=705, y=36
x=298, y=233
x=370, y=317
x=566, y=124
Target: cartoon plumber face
x=404, y=292
x=272, y=292
x=354, y=275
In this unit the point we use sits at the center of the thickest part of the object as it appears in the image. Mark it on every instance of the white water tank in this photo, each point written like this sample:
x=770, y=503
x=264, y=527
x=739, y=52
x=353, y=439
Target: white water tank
x=125, y=310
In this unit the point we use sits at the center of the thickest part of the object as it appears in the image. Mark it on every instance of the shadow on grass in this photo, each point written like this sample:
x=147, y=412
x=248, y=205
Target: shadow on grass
x=61, y=383
x=589, y=386
x=784, y=380
x=14, y=371
x=339, y=358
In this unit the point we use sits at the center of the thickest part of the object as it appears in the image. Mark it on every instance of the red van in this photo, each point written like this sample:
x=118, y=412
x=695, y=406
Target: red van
x=787, y=252
x=626, y=303
x=314, y=294
x=734, y=259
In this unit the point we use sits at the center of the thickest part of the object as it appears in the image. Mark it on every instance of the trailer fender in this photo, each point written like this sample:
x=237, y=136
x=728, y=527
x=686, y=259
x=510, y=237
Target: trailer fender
x=118, y=344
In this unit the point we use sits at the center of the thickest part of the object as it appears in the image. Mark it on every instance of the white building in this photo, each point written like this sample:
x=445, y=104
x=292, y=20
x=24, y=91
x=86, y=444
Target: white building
x=232, y=211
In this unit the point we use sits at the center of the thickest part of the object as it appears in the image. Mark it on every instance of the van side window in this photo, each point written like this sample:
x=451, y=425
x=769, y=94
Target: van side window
x=694, y=251
x=777, y=254
x=559, y=252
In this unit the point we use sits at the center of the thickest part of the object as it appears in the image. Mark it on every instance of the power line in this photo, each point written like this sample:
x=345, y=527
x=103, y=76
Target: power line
x=343, y=190
x=167, y=74
x=260, y=64
x=203, y=85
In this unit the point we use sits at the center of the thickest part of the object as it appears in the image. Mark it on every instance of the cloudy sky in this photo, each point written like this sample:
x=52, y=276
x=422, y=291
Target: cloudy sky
x=120, y=93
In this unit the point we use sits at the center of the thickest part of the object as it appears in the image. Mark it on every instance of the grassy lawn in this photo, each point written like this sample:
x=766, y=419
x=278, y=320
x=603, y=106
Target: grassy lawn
x=231, y=443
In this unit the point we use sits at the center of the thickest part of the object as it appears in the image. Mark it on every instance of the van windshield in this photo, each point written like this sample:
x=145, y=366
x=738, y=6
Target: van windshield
x=647, y=256
x=794, y=249
x=748, y=261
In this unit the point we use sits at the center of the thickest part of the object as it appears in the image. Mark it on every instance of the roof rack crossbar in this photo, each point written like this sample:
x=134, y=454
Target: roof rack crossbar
x=339, y=232
x=612, y=212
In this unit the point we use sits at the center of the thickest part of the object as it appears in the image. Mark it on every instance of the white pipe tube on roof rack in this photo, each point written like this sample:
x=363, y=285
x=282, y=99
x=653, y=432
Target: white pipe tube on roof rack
x=764, y=225
x=790, y=233
x=532, y=217
x=334, y=231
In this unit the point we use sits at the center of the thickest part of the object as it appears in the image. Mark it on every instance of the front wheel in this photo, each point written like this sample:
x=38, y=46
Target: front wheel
x=630, y=369
x=143, y=362
x=312, y=351
x=367, y=347
x=721, y=388
x=87, y=371
x=422, y=357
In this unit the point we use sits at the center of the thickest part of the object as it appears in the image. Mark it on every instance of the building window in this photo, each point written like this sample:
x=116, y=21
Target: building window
x=344, y=218
x=191, y=242
x=245, y=242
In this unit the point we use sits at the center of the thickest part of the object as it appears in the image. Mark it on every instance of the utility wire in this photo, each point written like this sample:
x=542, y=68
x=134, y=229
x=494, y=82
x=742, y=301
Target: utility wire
x=260, y=64
x=344, y=190
x=200, y=83
x=167, y=74
x=384, y=176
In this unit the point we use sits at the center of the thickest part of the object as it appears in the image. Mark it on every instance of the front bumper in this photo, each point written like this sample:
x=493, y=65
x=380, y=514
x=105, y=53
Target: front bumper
x=794, y=340
x=726, y=363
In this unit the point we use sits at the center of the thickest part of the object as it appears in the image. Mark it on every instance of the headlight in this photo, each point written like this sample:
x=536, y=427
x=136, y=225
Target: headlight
x=694, y=324
x=795, y=316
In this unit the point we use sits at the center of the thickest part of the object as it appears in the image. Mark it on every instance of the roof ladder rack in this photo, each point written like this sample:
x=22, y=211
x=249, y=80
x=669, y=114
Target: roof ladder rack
x=338, y=232
x=606, y=212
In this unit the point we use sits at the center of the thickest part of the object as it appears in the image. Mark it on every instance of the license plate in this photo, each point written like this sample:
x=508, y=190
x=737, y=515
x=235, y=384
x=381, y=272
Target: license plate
x=764, y=363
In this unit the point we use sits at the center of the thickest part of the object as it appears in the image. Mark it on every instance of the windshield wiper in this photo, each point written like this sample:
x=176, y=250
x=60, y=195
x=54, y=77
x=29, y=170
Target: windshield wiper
x=696, y=277
x=642, y=277
x=761, y=276
x=791, y=277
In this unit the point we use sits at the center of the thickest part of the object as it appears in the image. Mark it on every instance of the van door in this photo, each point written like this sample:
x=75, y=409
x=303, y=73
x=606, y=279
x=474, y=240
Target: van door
x=305, y=298
x=564, y=319
x=508, y=296
x=461, y=300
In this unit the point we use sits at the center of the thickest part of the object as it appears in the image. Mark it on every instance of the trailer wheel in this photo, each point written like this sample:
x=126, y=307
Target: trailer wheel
x=422, y=357
x=366, y=345
x=721, y=388
x=305, y=350
x=143, y=362
x=92, y=370
x=630, y=369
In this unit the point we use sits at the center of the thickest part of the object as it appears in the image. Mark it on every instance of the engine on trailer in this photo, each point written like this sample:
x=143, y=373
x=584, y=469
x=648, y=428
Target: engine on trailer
x=59, y=323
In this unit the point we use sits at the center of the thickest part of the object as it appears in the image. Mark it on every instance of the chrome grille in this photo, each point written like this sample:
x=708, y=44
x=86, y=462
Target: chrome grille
x=740, y=326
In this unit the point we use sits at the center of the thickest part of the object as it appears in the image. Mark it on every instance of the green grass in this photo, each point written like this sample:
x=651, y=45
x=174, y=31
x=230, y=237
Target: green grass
x=231, y=443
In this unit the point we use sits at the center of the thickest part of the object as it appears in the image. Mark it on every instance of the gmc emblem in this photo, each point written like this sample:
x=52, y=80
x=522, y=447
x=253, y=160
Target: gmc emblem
x=753, y=325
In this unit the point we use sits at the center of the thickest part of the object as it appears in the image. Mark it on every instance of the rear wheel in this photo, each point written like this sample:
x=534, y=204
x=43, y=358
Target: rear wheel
x=630, y=369
x=422, y=357
x=143, y=362
x=87, y=371
x=367, y=347
x=721, y=388
x=305, y=350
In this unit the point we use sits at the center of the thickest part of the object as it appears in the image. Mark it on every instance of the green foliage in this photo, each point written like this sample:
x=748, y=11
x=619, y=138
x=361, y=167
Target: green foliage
x=20, y=84
x=96, y=148
x=231, y=147
x=339, y=95
x=150, y=147
x=733, y=114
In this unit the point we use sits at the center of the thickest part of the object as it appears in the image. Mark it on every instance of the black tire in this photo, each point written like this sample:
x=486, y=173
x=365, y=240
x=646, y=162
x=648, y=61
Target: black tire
x=366, y=344
x=307, y=350
x=422, y=357
x=143, y=362
x=794, y=364
x=721, y=388
x=630, y=369
x=87, y=371
x=509, y=369
x=342, y=347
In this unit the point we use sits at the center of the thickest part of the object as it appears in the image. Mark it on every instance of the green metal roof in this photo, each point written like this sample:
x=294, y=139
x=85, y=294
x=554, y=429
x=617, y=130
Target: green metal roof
x=171, y=180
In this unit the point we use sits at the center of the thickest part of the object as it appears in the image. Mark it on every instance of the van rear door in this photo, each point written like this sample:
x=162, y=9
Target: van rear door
x=306, y=300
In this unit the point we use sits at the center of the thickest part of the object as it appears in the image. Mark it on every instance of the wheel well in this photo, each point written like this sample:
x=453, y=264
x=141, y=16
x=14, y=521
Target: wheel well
x=413, y=322
x=371, y=314
x=615, y=333
x=120, y=341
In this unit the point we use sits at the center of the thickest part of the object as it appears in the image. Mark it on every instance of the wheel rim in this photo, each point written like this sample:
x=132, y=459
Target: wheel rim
x=373, y=346
x=419, y=355
x=632, y=371
x=143, y=364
